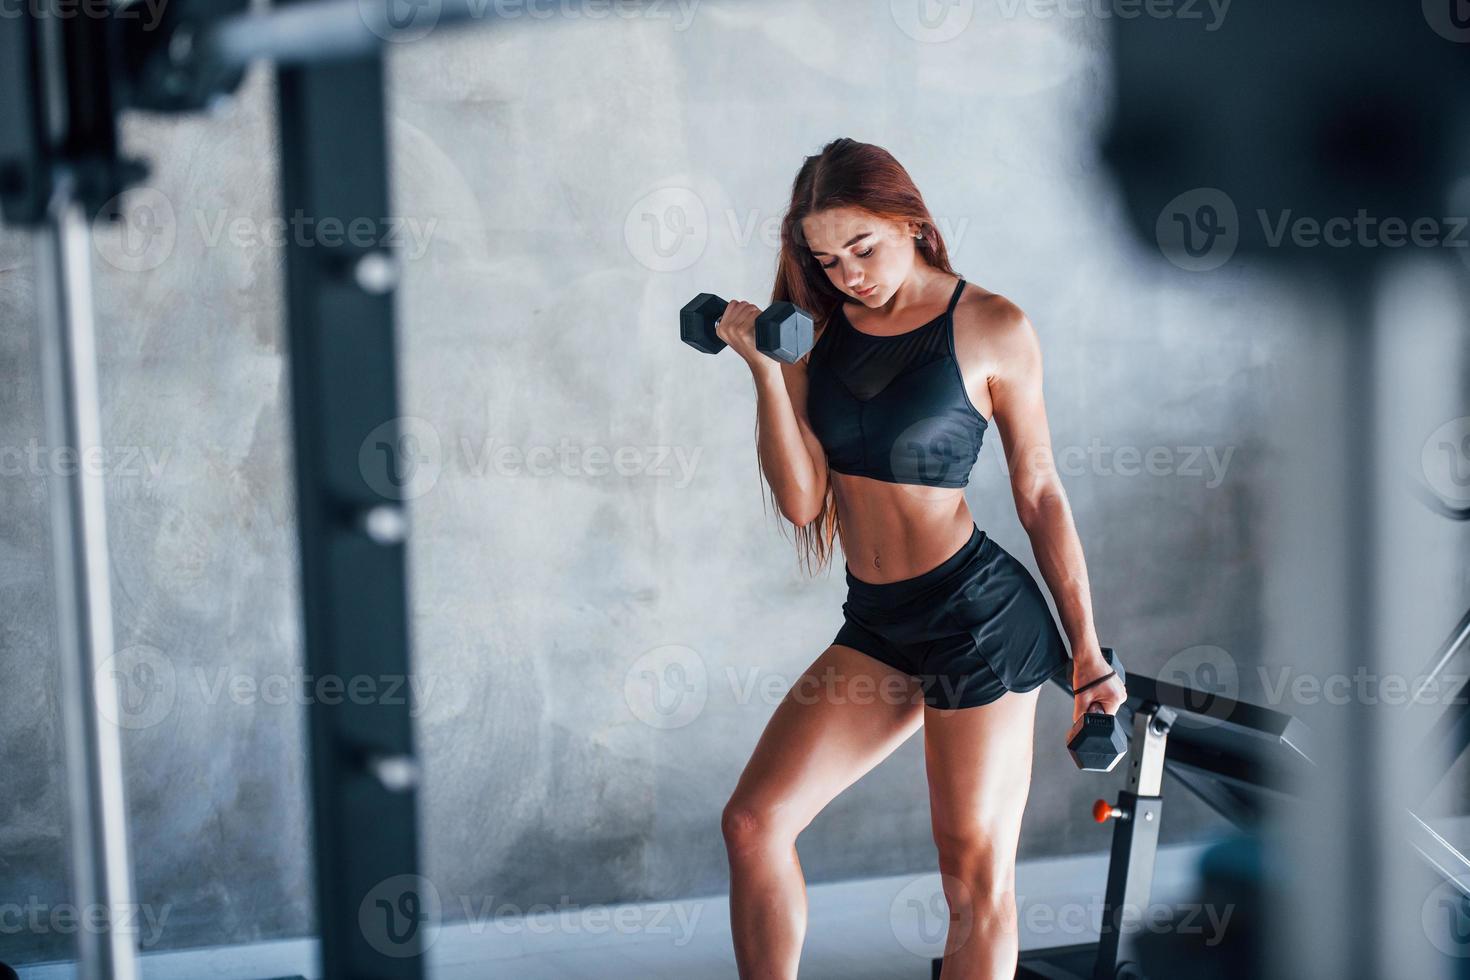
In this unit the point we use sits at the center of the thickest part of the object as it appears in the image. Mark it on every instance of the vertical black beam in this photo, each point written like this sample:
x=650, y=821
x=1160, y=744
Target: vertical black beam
x=25, y=185
x=371, y=911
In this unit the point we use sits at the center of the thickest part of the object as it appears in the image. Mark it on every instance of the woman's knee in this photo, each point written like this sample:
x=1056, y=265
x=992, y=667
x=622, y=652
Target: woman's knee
x=978, y=866
x=753, y=827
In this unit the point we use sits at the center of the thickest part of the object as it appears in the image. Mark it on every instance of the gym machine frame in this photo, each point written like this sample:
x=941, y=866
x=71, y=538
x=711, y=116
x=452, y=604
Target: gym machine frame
x=1137, y=813
x=1383, y=137
x=1447, y=738
x=1246, y=761
x=67, y=77
x=1235, y=756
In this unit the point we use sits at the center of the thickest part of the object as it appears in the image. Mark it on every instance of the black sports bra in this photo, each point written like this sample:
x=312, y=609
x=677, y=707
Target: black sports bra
x=894, y=408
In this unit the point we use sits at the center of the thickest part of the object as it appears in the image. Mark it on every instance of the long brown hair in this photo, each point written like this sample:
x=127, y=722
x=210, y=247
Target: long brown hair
x=845, y=174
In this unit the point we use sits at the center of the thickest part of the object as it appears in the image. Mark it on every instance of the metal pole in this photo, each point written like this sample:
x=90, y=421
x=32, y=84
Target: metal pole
x=1353, y=901
x=101, y=872
x=323, y=31
x=375, y=913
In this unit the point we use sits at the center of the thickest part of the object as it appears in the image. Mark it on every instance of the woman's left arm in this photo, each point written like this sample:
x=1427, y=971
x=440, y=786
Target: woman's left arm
x=1019, y=412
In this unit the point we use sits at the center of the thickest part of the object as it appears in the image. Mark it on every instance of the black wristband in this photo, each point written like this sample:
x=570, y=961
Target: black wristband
x=1095, y=683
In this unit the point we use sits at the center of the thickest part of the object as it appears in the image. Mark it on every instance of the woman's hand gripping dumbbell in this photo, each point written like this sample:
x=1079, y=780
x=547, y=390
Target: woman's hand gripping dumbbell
x=783, y=331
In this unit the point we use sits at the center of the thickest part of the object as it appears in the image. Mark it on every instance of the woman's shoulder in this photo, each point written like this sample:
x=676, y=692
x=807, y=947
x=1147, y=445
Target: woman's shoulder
x=993, y=337
x=989, y=317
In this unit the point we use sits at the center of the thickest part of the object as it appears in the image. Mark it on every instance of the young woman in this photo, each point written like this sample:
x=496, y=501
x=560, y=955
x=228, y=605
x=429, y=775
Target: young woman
x=871, y=438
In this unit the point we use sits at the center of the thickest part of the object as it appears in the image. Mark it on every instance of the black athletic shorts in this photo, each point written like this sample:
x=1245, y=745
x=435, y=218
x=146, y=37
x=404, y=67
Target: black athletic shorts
x=970, y=630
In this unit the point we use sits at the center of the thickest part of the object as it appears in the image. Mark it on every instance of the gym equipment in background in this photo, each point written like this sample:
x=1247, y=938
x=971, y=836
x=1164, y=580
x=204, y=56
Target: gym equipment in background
x=67, y=80
x=1246, y=762
x=1238, y=757
x=1350, y=111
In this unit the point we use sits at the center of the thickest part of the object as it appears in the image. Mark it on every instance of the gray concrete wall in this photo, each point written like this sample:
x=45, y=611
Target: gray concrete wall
x=565, y=185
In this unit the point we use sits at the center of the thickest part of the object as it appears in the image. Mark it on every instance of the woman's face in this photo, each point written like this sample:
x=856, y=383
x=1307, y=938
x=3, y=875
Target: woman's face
x=865, y=256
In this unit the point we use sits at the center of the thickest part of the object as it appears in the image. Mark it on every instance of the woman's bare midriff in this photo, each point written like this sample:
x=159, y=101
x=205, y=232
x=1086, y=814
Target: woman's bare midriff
x=894, y=531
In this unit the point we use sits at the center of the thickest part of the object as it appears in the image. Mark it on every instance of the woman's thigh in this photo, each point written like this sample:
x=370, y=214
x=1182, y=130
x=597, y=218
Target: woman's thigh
x=979, y=767
x=845, y=714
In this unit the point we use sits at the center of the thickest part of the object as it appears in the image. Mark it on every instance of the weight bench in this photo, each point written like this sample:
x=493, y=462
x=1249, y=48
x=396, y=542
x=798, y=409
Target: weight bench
x=1236, y=756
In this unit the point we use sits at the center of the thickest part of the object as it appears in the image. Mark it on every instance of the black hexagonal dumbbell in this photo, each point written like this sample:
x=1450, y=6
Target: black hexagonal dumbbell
x=783, y=331
x=1102, y=741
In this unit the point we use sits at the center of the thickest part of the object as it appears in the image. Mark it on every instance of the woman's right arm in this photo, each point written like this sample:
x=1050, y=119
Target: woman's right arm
x=790, y=455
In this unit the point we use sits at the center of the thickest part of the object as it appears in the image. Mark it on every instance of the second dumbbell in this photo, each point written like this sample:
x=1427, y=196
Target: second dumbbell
x=1102, y=741
x=783, y=331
